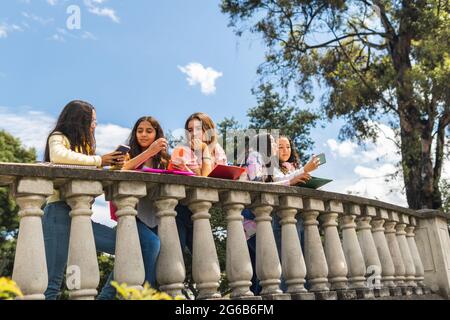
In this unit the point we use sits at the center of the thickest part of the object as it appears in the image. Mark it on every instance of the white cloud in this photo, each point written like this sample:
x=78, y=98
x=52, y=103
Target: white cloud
x=36, y=18
x=383, y=149
x=198, y=74
x=52, y=2
x=88, y=36
x=58, y=37
x=380, y=160
x=93, y=8
x=3, y=31
x=101, y=213
x=63, y=33
x=31, y=127
x=108, y=136
x=344, y=149
x=6, y=29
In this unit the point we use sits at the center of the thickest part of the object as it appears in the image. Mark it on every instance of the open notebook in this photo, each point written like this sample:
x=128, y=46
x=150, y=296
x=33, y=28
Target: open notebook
x=226, y=172
x=57, y=165
x=314, y=183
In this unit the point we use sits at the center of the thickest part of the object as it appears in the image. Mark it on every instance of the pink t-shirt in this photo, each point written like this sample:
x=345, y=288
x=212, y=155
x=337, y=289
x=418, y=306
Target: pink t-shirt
x=194, y=163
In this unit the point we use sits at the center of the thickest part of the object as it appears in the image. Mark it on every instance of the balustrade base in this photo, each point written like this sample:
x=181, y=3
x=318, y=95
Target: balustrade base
x=382, y=292
x=325, y=295
x=395, y=292
x=346, y=294
x=276, y=296
x=303, y=296
x=364, y=293
x=407, y=291
x=418, y=291
x=426, y=290
x=246, y=298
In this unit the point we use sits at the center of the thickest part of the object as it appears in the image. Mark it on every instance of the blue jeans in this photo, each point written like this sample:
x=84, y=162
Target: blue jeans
x=276, y=226
x=150, y=246
x=251, y=244
x=185, y=227
x=56, y=226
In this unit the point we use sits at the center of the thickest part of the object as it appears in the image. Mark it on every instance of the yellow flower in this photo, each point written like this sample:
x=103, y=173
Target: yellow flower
x=147, y=293
x=9, y=289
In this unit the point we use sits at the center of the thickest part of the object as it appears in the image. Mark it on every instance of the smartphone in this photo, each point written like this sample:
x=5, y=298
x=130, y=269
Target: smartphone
x=321, y=158
x=123, y=149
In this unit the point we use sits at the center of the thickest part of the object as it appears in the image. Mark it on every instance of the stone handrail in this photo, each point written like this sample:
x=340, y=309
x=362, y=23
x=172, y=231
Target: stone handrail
x=354, y=247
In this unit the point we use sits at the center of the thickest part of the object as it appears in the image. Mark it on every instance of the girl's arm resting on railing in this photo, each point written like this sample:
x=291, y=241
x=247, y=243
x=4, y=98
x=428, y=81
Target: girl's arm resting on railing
x=61, y=153
x=137, y=161
x=280, y=176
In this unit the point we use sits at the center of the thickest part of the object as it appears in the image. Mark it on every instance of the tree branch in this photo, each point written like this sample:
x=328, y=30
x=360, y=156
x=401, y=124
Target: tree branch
x=388, y=105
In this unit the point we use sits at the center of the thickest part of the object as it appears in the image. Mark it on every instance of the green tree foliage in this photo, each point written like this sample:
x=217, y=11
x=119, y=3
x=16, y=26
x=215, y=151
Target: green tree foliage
x=375, y=60
x=10, y=151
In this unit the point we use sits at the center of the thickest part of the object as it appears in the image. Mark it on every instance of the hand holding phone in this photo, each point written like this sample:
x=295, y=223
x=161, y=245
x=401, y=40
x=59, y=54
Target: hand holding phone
x=123, y=149
x=321, y=158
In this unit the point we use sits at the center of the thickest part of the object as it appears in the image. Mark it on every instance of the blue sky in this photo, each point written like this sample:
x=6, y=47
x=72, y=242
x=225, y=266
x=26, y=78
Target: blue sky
x=167, y=59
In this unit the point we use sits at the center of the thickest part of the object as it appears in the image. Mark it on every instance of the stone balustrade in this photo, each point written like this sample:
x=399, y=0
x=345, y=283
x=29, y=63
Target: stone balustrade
x=353, y=247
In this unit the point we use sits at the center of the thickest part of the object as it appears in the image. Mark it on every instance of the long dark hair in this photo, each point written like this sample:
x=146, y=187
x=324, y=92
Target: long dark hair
x=75, y=123
x=294, y=158
x=266, y=153
x=161, y=160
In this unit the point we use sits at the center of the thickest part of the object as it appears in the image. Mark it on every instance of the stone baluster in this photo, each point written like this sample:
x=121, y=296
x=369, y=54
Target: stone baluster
x=334, y=253
x=83, y=275
x=353, y=254
x=387, y=264
x=433, y=244
x=238, y=264
x=410, y=238
x=410, y=270
x=128, y=265
x=316, y=263
x=369, y=250
x=268, y=268
x=30, y=267
x=396, y=255
x=170, y=269
x=293, y=263
x=205, y=264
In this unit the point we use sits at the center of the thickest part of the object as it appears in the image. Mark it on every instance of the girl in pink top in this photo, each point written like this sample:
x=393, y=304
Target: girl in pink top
x=202, y=152
x=199, y=155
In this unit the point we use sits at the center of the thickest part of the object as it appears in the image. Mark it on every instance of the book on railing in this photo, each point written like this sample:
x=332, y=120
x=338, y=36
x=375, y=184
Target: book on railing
x=314, y=183
x=226, y=172
x=57, y=165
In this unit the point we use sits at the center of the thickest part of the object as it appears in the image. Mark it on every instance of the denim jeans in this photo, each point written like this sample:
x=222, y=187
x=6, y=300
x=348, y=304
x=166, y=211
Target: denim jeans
x=150, y=246
x=276, y=226
x=56, y=226
x=251, y=244
x=185, y=227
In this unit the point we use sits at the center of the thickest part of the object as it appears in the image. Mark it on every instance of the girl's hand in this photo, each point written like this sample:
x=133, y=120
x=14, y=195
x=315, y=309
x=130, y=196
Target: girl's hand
x=157, y=146
x=116, y=158
x=312, y=164
x=197, y=144
x=301, y=178
x=180, y=165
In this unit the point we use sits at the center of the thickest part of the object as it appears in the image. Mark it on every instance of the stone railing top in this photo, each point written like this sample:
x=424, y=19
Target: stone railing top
x=9, y=172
